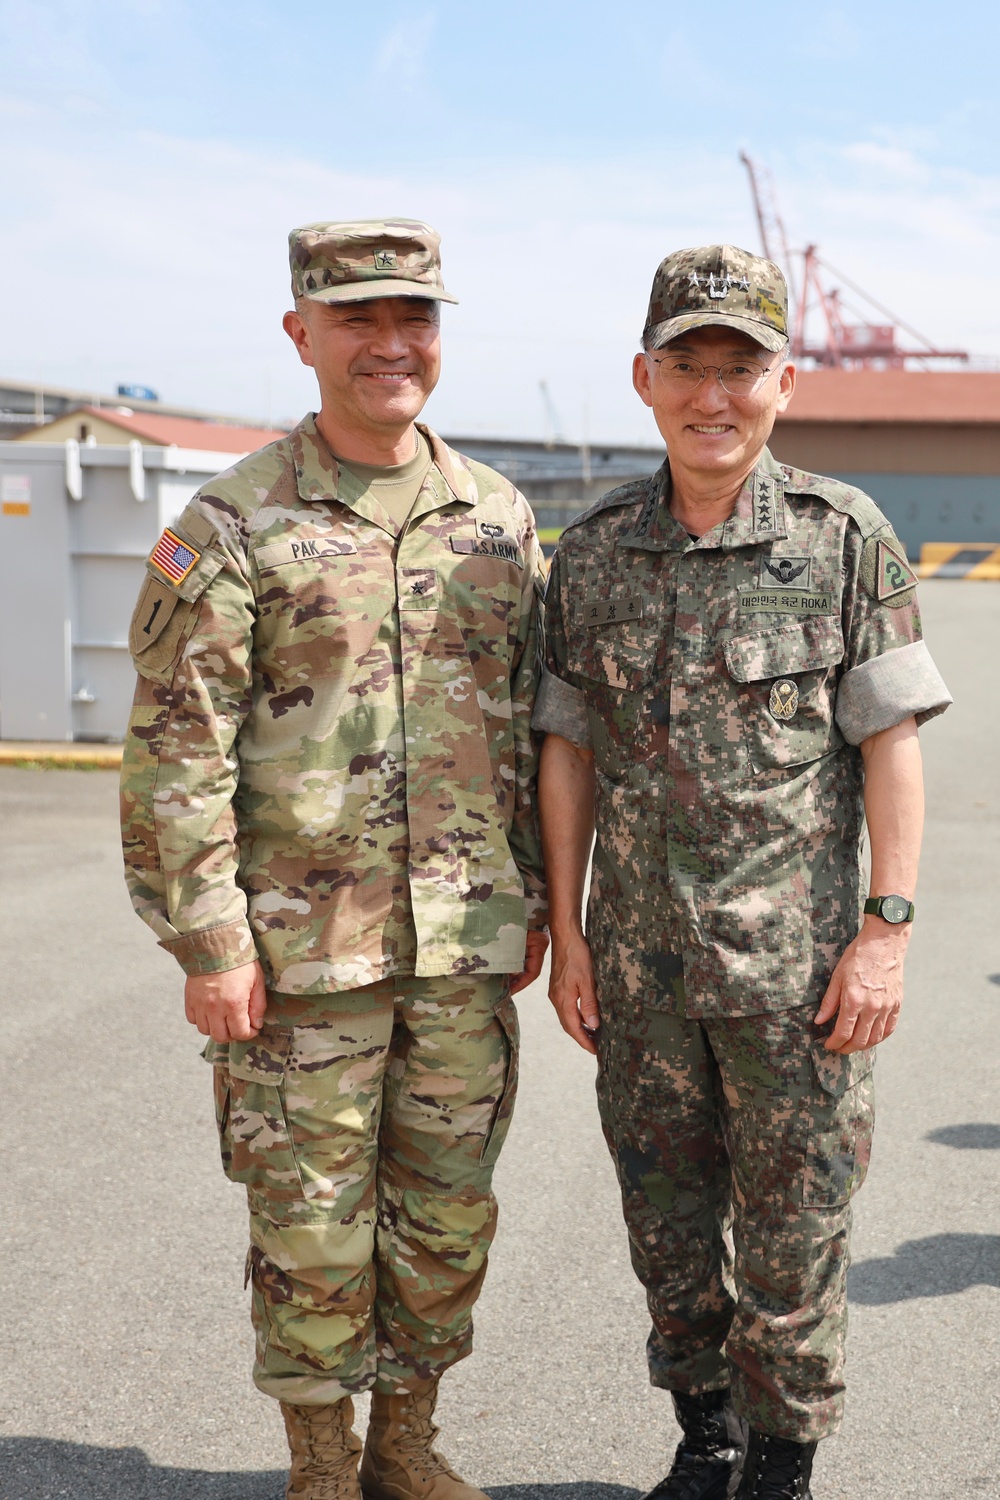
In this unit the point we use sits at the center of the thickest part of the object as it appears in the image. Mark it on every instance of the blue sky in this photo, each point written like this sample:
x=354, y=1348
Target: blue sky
x=155, y=153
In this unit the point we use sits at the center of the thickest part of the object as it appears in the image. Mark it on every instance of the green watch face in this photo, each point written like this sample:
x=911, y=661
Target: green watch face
x=895, y=909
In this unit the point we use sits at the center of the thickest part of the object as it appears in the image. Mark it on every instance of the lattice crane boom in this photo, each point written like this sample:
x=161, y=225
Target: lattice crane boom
x=846, y=345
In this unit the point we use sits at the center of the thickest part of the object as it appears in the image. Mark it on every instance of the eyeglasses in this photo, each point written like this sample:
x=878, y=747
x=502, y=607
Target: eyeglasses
x=740, y=377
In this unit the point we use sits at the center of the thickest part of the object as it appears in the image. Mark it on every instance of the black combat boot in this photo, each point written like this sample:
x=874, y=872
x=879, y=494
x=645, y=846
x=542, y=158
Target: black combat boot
x=776, y=1469
x=709, y=1456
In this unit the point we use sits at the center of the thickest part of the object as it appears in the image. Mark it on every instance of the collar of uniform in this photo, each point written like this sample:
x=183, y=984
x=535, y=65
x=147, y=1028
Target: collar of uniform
x=758, y=515
x=317, y=472
x=759, y=512
x=456, y=472
x=448, y=478
x=317, y=476
x=656, y=530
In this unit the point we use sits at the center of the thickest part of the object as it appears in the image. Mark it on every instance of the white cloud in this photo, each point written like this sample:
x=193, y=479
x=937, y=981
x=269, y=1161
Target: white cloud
x=893, y=162
x=403, y=51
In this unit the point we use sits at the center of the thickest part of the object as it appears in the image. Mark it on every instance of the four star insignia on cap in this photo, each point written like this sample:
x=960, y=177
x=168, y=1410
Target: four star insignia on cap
x=721, y=286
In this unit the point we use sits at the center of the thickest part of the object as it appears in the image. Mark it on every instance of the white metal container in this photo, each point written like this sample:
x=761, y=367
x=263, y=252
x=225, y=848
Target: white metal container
x=76, y=525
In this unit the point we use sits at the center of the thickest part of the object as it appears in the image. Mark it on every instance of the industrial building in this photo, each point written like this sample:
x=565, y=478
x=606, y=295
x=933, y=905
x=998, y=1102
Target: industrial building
x=924, y=444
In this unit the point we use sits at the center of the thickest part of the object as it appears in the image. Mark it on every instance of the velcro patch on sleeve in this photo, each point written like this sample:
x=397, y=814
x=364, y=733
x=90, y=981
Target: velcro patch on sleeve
x=152, y=615
x=173, y=557
x=893, y=574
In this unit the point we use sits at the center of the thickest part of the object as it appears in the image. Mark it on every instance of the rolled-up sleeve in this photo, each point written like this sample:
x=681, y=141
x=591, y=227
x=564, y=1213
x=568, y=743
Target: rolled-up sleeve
x=561, y=709
x=888, y=673
x=885, y=690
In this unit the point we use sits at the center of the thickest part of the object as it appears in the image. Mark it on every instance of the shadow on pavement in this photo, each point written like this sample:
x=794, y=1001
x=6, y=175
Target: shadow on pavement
x=980, y=1137
x=582, y=1490
x=34, y=1468
x=938, y=1266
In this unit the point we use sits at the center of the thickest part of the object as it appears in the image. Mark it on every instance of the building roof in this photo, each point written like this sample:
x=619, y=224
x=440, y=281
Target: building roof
x=181, y=432
x=24, y=397
x=939, y=396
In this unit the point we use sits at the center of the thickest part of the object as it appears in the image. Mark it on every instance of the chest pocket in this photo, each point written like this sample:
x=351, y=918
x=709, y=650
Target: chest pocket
x=319, y=607
x=614, y=659
x=786, y=683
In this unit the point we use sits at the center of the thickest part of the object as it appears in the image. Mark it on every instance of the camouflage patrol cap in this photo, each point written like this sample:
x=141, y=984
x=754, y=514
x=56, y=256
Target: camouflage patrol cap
x=366, y=258
x=718, y=284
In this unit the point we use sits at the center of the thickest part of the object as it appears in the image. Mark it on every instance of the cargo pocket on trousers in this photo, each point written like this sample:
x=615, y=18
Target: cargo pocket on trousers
x=251, y=1113
x=840, y=1129
x=506, y=1013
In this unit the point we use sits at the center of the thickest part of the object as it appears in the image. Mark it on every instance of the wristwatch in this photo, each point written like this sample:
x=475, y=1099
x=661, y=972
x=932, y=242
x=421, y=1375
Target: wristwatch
x=894, y=909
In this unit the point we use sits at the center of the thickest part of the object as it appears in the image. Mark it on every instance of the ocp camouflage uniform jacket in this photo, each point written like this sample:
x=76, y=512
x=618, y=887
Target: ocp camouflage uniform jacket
x=329, y=763
x=724, y=686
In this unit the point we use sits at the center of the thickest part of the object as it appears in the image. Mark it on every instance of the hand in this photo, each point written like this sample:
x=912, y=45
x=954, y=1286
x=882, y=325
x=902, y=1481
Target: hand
x=572, y=992
x=866, y=991
x=228, y=1007
x=535, y=948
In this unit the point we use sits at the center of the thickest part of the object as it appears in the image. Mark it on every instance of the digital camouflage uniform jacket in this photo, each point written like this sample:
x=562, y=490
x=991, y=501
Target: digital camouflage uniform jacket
x=724, y=686
x=329, y=763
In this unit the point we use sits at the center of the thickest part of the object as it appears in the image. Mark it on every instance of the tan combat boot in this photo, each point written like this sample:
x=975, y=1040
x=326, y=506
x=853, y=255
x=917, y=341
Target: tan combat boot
x=399, y=1461
x=324, y=1451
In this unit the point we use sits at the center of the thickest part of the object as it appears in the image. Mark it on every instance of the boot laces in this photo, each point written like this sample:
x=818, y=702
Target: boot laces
x=324, y=1454
x=323, y=1487
x=417, y=1440
x=779, y=1473
x=686, y=1478
x=703, y=1446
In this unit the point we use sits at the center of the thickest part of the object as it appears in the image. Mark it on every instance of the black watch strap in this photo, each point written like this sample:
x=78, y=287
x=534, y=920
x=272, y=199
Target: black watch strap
x=894, y=909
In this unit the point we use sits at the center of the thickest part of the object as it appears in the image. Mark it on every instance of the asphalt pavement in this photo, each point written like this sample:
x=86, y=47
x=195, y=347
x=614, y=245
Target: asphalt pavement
x=123, y=1326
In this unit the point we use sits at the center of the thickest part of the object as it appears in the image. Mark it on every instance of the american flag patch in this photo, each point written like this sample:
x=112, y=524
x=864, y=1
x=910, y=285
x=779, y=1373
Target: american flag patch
x=174, y=558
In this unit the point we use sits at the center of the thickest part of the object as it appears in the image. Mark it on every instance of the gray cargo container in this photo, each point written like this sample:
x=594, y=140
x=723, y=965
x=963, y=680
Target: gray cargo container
x=76, y=525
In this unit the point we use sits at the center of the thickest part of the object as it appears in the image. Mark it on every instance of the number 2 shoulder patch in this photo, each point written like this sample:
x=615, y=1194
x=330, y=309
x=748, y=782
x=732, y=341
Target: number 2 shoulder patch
x=885, y=573
x=894, y=574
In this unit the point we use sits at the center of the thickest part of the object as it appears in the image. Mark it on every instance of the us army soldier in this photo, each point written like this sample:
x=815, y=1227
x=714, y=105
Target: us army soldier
x=735, y=679
x=329, y=821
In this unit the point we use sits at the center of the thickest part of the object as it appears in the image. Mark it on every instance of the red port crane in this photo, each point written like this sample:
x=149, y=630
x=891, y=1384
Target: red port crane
x=846, y=345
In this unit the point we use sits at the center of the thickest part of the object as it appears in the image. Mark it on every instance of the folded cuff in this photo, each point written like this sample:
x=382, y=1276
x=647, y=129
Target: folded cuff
x=561, y=709
x=883, y=692
x=212, y=950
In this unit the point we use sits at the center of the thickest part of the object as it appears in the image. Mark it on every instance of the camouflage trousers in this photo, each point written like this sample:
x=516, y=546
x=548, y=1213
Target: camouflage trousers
x=365, y=1126
x=738, y=1146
